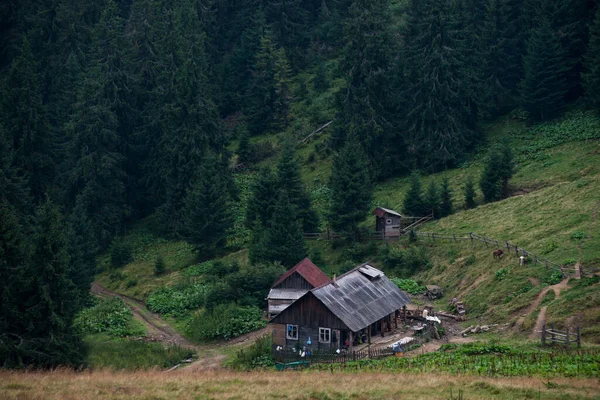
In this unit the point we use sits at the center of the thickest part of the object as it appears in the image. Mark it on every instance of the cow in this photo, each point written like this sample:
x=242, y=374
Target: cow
x=497, y=253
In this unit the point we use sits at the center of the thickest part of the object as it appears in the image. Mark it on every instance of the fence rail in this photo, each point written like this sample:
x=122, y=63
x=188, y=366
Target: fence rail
x=519, y=251
x=554, y=336
x=322, y=357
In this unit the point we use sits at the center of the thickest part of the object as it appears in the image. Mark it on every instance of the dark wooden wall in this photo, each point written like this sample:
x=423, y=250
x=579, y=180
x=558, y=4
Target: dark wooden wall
x=294, y=281
x=308, y=311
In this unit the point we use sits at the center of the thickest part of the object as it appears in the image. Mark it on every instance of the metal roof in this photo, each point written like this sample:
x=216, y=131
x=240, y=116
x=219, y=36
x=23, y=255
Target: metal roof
x=379, y=213
x=361, y=297
x=308, y=271
x=286, y=294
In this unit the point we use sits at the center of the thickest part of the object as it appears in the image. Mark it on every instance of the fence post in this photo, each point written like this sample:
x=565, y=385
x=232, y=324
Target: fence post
x=544, y=335
x=517, y=250
x=552, y=333
x=471, y=236
x=454, y=237
x=507, y=246
x=354, y=355
x=578, y=337
x=568, y=337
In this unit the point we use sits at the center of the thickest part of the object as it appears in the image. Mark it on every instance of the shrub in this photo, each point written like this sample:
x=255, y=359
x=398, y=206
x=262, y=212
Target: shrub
x=405, y=262
x=470, y=260
x=258, y=355
x=159, y=266
x=130, y=283
x=109, y=316
x=501, y=273
x=578, y=235
x=553, y=278
x=225, y=321
x=409, y=286
x=120, y=254
x=176, y=301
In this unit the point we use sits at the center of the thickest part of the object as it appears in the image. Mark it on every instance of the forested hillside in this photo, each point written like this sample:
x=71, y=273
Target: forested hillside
x=229, y=124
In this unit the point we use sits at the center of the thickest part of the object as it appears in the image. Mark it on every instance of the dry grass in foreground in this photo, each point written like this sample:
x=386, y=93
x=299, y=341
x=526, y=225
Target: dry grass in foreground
x=289, y=385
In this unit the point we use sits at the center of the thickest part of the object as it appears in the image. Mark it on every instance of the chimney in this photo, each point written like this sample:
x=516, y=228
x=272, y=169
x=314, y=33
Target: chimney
x=334, y=280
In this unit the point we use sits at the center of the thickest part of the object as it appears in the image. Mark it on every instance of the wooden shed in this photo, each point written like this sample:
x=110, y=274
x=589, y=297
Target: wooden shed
x=292, y=285
x=387, y=221
x=341, y=313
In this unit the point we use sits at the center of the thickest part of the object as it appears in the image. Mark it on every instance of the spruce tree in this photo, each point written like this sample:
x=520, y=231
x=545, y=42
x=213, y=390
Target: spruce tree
x=243, y=150
x=591, y=75
x=289, y=181
x=469, y=193
x=439, y=117
x=432, y=199
x=414, y=203
x=491, y=178
x=351, y=188
x=262, y=201
x=446, y=206
x=13, y=188
x=364, y=103
x=544, y=84
x=159, y=266
x=206, y=214
x=506, y=166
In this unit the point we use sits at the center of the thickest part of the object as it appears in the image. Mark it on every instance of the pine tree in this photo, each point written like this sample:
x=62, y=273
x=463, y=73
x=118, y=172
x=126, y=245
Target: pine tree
x=364, y=102
x=288, y=20
x=282, y=92
x=446, y=206
x=491, y=178
x=432, y=199
x=25, y=121
x=289, y=181
x=243, y=150
x=414, y=203
x=544, y=85
x=262, y=202
x=283, y=241
x=52, y=304
x=13, y=188
x=469, y=192
x=591, y=76
x=159, y=266
x=350, y=183
x=506, y=167
x=206, y=212
x=439, y=117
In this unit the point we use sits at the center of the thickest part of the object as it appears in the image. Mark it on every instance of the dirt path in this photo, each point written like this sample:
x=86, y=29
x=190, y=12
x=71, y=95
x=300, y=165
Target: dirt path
x=210, y=355
x=535, y=303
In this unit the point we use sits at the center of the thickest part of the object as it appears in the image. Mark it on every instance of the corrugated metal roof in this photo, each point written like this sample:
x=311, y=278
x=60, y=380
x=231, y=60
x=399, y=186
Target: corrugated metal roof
x=380, y=212
x=308, y=271
x=359, y=300
x=286, y=294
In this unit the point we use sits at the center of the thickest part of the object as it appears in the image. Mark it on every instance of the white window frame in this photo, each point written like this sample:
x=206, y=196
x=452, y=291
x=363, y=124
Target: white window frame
x=326, y=333
x=287, y=331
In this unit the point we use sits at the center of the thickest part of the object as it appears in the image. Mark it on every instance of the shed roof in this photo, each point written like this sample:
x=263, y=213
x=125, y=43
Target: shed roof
x=286, y=294
x=380, y=212
x=308, y=271
x=361, y=297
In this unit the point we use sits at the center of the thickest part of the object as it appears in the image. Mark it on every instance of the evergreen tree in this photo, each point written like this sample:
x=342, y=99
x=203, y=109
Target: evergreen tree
x=506, y=166
x=432, y=199
x=283, y=241
x=13, y=188
x=364, y=102
x=439, y=117
x=289, y=181
x=288, y=20
x=262, y=202
x=25, y=121
x=206, y=212
x=243, y=150
x=159, y=266
x=591, y=76
x=446, y=206
x=469, y=192
x=414, y=203
x=544, y=85
x=351, y=189
x=52, y=303
x=491, y=178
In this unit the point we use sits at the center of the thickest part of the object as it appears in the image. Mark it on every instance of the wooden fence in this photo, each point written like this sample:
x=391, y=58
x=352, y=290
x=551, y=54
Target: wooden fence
x=499, y=244
x=554, y=336
x=326, y=357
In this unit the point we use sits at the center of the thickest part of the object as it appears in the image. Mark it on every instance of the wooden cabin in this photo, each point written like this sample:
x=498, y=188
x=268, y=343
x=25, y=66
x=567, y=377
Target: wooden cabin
x=342, y=313
x=292, y=285
x=387, y=221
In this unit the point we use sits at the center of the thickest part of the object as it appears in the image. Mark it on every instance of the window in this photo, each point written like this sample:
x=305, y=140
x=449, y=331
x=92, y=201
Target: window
x=292, y=332
x=324, y=335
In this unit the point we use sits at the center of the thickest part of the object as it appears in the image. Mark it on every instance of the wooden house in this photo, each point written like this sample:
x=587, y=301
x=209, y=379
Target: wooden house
x=387, y=221
x=292, y=285
x=341, y=313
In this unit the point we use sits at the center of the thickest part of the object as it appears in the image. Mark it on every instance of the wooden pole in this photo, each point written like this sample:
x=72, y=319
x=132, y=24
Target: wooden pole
x=568, y=337
x=578, y=337
x=350, y=341
x=471, y=236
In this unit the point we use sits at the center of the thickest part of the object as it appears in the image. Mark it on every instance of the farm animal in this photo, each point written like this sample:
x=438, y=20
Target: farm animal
x=522, y=261
x=497, y=253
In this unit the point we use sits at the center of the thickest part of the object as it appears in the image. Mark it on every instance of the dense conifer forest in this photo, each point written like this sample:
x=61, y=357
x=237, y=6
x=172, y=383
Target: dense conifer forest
x=114, y=110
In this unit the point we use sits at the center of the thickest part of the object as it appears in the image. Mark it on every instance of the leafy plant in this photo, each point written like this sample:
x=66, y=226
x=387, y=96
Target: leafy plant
x=257, y=356
x=409, y=286
x=225, y=321
x=109, y=316
x=176, y=301
x=553, y=278
x=501, y=273
x=578, y=235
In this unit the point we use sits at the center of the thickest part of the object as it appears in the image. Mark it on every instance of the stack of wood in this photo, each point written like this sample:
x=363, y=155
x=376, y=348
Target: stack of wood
x=460, y=307
x=477, y=329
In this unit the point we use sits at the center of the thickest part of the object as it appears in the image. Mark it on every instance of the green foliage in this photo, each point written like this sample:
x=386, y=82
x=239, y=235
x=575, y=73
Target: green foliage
x=414, y=204
x=432, y=199
x=405, y=262
x=446, y=204
x=178, y=300
x=501, y=273
x=469, y=193
x=159, y=266
x=108, y=316
x=120, y=355
x=591, y=76
x=225, y=321
x=259, y=355
x=409, y=286
x=578, y=235
x=553, y=278
x=120, y=253
x=496, y=173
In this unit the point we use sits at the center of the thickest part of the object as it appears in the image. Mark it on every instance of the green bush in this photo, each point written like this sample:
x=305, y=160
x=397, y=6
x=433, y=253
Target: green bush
x=159, y=266
x=553, y=278
x=176, y=301
x=258, y=355
x=108, y=316
x=409, y=286
x=225, y=321
x=578, y=235
x=120, y=253
x=405, y=262
x=501, y=273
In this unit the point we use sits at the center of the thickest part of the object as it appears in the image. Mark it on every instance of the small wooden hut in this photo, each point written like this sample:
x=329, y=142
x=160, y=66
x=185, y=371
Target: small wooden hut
x=387, y=221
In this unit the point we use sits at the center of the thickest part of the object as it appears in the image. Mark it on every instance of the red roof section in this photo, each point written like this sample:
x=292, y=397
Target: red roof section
x=308, y=271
